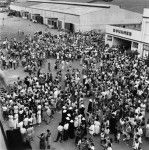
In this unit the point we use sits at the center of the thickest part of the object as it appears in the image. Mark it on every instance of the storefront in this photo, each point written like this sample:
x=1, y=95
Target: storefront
x=131, y=39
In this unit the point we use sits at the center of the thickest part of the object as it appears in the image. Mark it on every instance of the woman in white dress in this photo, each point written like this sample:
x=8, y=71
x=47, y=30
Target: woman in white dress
x=92, y=129
x=15, y=122
x=23, y=133
x=39, y=117
x=16, y=116
x=34, y=119
x=20, y=125
x=10, y=121
x=97, y=126
x=25, y=121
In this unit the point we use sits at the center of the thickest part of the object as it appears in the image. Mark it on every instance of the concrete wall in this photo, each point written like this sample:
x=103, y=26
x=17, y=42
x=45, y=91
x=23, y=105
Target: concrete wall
x=110, y=43
x=65, y=18
x=134, y=34
x=145, y=26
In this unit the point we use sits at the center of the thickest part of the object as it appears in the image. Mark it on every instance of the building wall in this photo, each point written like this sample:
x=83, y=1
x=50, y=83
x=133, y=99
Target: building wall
x=112, y=41
x=145, y=26
x=109, y=40
x=65, y=18
x=124, y=33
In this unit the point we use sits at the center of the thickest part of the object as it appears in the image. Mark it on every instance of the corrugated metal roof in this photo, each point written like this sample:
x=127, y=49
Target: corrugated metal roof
x=78, y=1
x=72, y=3
x=68, y=9
x=24, y=4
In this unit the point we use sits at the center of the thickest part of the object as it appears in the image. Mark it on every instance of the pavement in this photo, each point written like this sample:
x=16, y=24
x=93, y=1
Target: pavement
x=10, y=29
x=10, y=26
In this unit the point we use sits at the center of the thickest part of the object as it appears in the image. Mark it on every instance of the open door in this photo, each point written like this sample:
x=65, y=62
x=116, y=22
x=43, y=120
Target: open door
x=69, y=27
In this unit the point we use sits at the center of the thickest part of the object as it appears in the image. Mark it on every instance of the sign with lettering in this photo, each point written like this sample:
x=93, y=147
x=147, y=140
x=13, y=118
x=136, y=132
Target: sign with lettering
x=122, y=32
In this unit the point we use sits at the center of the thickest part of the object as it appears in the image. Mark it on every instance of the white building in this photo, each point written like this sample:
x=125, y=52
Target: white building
x=135, y=36
x=77, y=16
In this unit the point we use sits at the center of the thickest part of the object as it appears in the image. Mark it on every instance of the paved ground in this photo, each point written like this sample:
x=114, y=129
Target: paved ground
x=10, y=28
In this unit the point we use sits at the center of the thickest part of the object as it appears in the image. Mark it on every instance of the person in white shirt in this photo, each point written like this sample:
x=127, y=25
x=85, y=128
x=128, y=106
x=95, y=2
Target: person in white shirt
x=25, y=121
x=92, y=129
x=147, y=130
x=97, y=127
x=4, y=108
x=109, y=147
x=92, y=147
x=39, y=117
x=60, y=129
x=136, y=145
x=23, y=133
x=65, y=134
x=10, y=121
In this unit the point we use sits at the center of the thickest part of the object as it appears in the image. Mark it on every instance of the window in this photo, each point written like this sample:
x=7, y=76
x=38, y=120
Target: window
x=109, y=38
x=135, y=45
x=145, y=50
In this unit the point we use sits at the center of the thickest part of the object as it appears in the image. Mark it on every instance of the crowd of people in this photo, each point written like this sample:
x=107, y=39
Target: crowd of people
x=114, y=83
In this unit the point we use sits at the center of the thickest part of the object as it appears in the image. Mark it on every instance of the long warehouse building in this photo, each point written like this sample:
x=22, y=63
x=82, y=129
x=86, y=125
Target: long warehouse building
x=73, y=16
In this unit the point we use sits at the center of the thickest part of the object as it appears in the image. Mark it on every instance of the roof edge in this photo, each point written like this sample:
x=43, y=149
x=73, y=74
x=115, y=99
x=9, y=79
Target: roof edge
x=72, y=3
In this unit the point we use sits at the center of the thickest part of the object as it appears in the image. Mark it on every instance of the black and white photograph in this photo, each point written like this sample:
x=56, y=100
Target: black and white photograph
x=74, y=74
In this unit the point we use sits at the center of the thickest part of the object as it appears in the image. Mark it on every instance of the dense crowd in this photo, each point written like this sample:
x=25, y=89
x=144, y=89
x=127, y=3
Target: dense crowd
x=115, y=84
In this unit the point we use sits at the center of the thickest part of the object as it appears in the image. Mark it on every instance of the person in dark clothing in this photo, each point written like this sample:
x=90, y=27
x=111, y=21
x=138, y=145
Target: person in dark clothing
x=78, y=135
x=48, y=139
x=60, y=129
x=71, y=129
x=90, y=108
x=42, y=143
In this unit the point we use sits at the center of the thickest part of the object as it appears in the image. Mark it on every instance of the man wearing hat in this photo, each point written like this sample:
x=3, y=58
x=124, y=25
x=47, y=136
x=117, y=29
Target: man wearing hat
x=71, y=129
x=66, y=127
x=60, y=129
x=64, y=115
x=81, y=110
x=70, y=111
x=84, y=127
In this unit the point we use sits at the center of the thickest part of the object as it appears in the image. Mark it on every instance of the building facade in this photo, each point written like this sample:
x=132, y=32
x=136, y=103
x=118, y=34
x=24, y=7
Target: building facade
x=76, y=16
x=133, y=36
